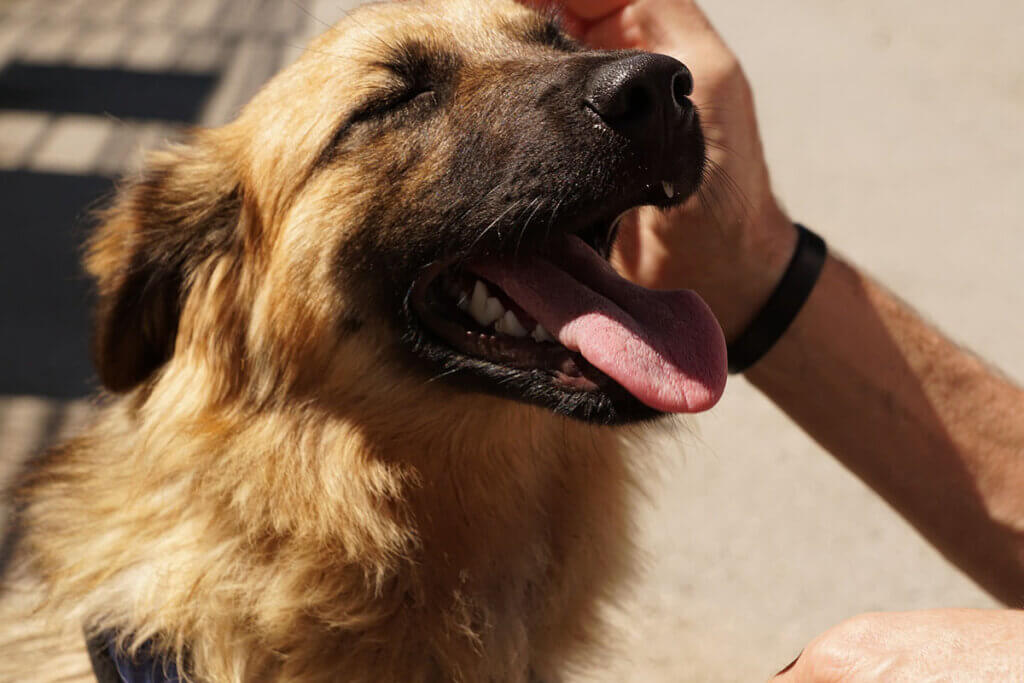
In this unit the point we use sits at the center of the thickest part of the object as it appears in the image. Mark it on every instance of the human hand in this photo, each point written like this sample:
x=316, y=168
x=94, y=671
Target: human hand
x=932, y=645
x=730, y=243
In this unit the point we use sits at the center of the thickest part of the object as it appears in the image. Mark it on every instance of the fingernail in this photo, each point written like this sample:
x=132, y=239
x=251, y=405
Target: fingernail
x=791, y=664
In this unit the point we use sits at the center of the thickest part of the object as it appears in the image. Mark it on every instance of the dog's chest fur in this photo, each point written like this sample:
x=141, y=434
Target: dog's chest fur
x=281, y=545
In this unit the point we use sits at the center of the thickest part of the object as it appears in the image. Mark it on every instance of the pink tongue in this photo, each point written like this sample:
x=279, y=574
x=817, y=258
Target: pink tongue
x=665, y=348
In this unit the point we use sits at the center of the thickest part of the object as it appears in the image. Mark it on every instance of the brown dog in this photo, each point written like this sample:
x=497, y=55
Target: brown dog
x=367, y=361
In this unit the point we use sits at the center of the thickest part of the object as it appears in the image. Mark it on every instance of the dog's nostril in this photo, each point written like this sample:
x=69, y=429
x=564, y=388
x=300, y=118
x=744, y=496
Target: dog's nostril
x=682, y=86
x=641, y=95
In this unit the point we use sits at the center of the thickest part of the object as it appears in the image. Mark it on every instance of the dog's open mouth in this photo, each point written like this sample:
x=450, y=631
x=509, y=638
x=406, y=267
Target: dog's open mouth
x=564, y=312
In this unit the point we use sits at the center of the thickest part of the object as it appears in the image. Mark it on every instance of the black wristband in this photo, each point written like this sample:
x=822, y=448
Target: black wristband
x=783, y=305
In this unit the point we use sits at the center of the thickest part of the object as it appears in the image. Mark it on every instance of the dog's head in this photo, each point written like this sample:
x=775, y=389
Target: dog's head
x=435, y=183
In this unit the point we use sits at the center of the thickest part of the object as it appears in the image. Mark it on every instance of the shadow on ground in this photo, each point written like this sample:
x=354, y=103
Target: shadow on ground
x=44, y=295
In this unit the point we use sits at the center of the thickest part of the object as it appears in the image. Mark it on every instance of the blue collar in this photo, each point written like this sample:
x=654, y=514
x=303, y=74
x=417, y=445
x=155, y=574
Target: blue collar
x=114, y=666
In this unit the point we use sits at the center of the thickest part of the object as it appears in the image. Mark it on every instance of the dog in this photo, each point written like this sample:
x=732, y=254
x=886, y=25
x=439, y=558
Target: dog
x=370, y=378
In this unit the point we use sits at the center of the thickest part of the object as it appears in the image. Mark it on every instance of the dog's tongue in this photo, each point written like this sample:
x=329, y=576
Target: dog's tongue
x=665, y=348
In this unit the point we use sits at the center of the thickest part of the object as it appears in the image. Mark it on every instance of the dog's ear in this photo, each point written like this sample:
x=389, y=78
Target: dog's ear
x=143, y=254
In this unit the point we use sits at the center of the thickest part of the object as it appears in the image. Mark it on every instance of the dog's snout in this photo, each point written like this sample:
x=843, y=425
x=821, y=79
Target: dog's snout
x=642, y=96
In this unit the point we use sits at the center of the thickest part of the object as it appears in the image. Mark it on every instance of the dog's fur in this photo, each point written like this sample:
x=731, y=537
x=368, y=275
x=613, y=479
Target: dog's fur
x=277, y=489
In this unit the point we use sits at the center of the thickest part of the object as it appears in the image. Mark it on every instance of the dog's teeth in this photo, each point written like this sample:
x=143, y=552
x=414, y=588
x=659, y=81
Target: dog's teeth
x=539, y=334
x=509, y=324
x=670, y=190
x=478, y=302
x=493, y=310
x=484, y=309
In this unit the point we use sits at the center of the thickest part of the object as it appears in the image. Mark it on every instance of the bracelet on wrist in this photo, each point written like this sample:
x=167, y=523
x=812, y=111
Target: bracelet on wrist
x=783, y=305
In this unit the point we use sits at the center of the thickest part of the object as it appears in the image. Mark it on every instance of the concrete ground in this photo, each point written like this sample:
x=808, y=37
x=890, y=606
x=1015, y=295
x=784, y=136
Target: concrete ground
x=893, y=128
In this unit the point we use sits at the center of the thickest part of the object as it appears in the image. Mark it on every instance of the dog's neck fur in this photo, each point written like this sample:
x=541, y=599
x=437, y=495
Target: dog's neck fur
x=306, y=533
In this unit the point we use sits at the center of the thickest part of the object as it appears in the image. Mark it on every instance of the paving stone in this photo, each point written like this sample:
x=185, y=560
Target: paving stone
x=72, y=145
x=286, y=17
x=48, y=43
x=102, y=46
x=118, y=149
x=13, y=32
x=155, y=13
x=25, y=423
x=197, y=15
x=152, y=50
x=72, y=10
x=22, y=8
x=107, y=11
x=126, y=148
x=76, y=415
x=58, y=10
x=253, y=63
x=19, y=133
x=201, y=53
x=150, y=136
x=239, y=15
x=328, y=12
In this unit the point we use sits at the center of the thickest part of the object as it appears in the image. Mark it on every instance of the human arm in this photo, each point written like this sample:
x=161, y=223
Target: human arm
x=933, y=429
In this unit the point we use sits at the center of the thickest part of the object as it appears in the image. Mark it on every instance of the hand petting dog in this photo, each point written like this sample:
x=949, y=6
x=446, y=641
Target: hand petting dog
x=732, y=242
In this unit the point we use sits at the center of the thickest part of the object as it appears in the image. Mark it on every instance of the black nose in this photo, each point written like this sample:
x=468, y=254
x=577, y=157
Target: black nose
x=643, y=96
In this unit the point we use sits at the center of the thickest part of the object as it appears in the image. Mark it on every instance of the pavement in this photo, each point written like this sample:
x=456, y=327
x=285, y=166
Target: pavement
x=892, y=128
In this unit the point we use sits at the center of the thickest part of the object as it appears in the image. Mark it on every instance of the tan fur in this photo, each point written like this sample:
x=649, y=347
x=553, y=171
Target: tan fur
x=285, y=502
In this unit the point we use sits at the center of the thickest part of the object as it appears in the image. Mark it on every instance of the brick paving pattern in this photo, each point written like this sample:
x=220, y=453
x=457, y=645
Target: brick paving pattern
x=240, y=44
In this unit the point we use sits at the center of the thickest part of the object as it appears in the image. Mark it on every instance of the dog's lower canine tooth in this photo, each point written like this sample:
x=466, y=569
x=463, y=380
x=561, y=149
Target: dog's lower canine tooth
x=493, y=310
x=670, y=190
x=539, y=334
x=478, y=303
x=509, y=324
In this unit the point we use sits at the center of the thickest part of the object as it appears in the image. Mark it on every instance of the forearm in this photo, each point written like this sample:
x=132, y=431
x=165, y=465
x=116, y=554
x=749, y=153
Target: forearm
x=931, y=428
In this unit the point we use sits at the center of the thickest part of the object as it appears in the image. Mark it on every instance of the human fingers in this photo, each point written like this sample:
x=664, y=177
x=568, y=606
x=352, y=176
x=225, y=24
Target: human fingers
x=571, y=22
x=592, y=10
x=616, y=31
x=657, y=25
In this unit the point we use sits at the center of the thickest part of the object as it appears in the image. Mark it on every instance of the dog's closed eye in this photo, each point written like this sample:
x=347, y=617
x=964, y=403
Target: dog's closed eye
x=548, y=32
x=395, y=99
x=420, y=72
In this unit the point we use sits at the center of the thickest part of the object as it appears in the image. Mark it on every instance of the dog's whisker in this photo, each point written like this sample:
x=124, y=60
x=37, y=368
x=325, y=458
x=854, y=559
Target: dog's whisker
x=553, y=216
x=442, y=375
x=720, y=146
x=719, y=194
x=493, y=224
x=522, y=232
